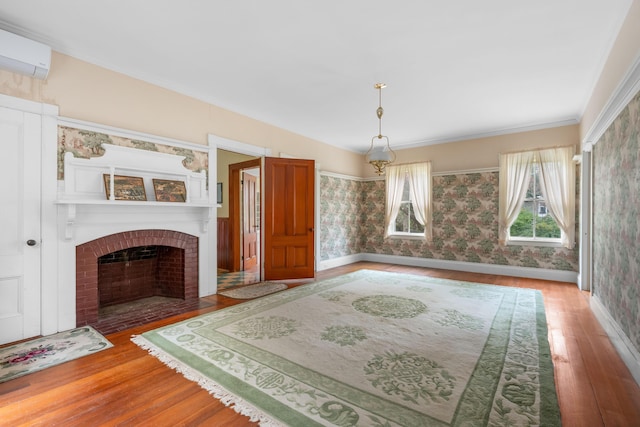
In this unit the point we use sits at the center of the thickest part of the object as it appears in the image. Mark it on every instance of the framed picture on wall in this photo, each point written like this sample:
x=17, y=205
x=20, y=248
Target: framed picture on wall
x=219, y=193
x=125, y=187
x=169, y=191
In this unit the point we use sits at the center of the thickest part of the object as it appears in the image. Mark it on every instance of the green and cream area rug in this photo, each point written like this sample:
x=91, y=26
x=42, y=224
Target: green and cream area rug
x=35, y=355
x=373, y=349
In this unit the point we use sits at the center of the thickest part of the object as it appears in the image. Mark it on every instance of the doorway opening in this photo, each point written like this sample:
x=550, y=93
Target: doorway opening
x=285, y=207
x=242, y=251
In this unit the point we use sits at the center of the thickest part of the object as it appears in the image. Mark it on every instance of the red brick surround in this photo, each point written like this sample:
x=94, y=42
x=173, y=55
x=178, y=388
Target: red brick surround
x=87, y=254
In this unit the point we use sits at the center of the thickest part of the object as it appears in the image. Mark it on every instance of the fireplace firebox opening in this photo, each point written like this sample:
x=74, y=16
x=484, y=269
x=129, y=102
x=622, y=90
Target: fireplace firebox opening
x=141, y=272
x=128, y=266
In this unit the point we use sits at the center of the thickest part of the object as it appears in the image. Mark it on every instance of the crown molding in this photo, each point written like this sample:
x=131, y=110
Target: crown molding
x=624, y=93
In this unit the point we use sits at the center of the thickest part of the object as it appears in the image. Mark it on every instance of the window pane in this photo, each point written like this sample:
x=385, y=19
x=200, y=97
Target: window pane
x=532, y=183
x=414, y=225
x=536, y=180
x=402, y=220
x=546, y=226
x=523, y=226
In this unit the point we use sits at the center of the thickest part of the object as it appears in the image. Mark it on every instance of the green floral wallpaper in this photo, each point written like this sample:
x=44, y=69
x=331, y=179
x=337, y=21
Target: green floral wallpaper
x=465, y=227
x=86, y=144
x=616, y=220
x=340, y=206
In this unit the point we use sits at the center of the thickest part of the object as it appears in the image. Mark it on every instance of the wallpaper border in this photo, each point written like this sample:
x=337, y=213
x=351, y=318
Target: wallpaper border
x=129, y=134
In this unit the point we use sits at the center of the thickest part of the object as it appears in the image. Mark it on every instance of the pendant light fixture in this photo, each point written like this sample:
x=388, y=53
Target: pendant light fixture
x=380, y=155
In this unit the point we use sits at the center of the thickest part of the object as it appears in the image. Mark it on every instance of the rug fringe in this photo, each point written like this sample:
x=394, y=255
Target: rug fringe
x=228, y=399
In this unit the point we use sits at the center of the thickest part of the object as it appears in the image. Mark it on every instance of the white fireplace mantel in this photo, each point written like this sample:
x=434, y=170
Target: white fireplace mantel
x=151, y=214
x=82, y=197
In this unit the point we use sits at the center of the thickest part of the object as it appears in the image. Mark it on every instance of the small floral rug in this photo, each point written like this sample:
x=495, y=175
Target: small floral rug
x=35, y=355
x=254, y=291
x=373, y=349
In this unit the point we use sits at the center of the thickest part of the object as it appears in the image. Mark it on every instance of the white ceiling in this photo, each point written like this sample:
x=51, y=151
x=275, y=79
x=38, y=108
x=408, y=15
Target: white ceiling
x=453, y=69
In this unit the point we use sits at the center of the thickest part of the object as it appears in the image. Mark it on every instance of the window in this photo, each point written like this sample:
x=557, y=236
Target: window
x=533, y=221
x=406, y=221
x=408, y=205
x=537, y=196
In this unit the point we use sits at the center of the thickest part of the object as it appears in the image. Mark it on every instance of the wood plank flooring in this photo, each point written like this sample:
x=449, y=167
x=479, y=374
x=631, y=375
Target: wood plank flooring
x=125, y=386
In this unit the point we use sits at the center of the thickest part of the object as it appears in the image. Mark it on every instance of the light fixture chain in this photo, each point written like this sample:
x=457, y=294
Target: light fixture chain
x=380, y=110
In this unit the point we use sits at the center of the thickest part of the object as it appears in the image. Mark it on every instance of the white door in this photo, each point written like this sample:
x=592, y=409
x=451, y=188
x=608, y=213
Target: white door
x=20, y=171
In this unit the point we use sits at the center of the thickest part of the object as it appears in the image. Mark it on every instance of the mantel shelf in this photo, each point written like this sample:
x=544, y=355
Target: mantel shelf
x=132, y=203
x=70, y=210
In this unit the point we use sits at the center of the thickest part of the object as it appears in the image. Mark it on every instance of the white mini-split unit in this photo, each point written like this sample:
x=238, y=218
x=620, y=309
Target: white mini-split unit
x=24, y=56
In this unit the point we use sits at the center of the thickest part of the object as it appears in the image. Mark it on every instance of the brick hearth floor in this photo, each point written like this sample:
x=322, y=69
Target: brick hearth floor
x=135, y=313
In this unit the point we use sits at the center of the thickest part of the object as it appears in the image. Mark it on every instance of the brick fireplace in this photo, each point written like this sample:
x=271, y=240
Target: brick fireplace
x=169, y=238
x=130, y=265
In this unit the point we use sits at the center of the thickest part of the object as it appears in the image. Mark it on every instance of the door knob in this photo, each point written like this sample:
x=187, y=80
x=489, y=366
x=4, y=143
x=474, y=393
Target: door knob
x=31, y=242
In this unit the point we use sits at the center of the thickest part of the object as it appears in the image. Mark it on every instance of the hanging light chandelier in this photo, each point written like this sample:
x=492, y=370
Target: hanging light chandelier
x=380, y=155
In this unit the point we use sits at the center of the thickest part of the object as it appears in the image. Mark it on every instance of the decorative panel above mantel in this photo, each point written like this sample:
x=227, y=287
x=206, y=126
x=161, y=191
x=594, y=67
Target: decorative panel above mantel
x=84, y=179
x=142, y=180
x=85, y=140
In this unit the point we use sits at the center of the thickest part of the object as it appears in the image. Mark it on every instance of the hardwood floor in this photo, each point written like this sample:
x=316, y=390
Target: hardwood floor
x=126, y=386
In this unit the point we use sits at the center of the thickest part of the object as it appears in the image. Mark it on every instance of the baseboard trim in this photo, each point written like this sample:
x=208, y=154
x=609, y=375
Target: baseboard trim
x=472, y=267
x=626, y=350
x=338, y=262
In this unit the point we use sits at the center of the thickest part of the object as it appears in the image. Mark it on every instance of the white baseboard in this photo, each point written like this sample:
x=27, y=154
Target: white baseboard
x=473, y=267
x=337, y=262
x=626, y=350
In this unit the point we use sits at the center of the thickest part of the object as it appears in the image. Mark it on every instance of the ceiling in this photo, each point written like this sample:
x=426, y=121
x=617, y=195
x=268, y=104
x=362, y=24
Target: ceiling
x=453, y=69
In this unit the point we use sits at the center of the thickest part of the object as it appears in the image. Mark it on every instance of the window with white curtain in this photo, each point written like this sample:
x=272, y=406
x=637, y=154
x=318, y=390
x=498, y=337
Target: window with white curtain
x=406, y=221
x=533, y=221
x=537, y=197
x=408, y=204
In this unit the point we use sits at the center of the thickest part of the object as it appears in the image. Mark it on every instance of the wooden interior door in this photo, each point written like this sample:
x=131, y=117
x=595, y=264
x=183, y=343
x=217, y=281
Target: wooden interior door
x=288, y=219
x=250, y=226
x=235, y=211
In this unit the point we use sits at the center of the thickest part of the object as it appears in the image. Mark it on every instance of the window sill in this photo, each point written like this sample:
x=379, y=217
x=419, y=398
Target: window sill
x=407, y=236
x=536, y=242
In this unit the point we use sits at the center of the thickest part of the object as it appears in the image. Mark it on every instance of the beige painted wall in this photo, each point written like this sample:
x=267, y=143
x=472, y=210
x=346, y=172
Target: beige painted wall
x=226, y=158
x=483, y=152
x=87, y=92
x=622, y=56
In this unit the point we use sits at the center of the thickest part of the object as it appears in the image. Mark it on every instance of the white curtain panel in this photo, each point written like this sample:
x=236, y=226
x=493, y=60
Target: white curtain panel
x=557, y=179
x=515, y=173
x=420, y=189
x=395, y=176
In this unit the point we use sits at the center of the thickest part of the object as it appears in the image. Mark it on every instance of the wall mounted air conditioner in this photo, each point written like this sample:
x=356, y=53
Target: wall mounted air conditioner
x=24, y=56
